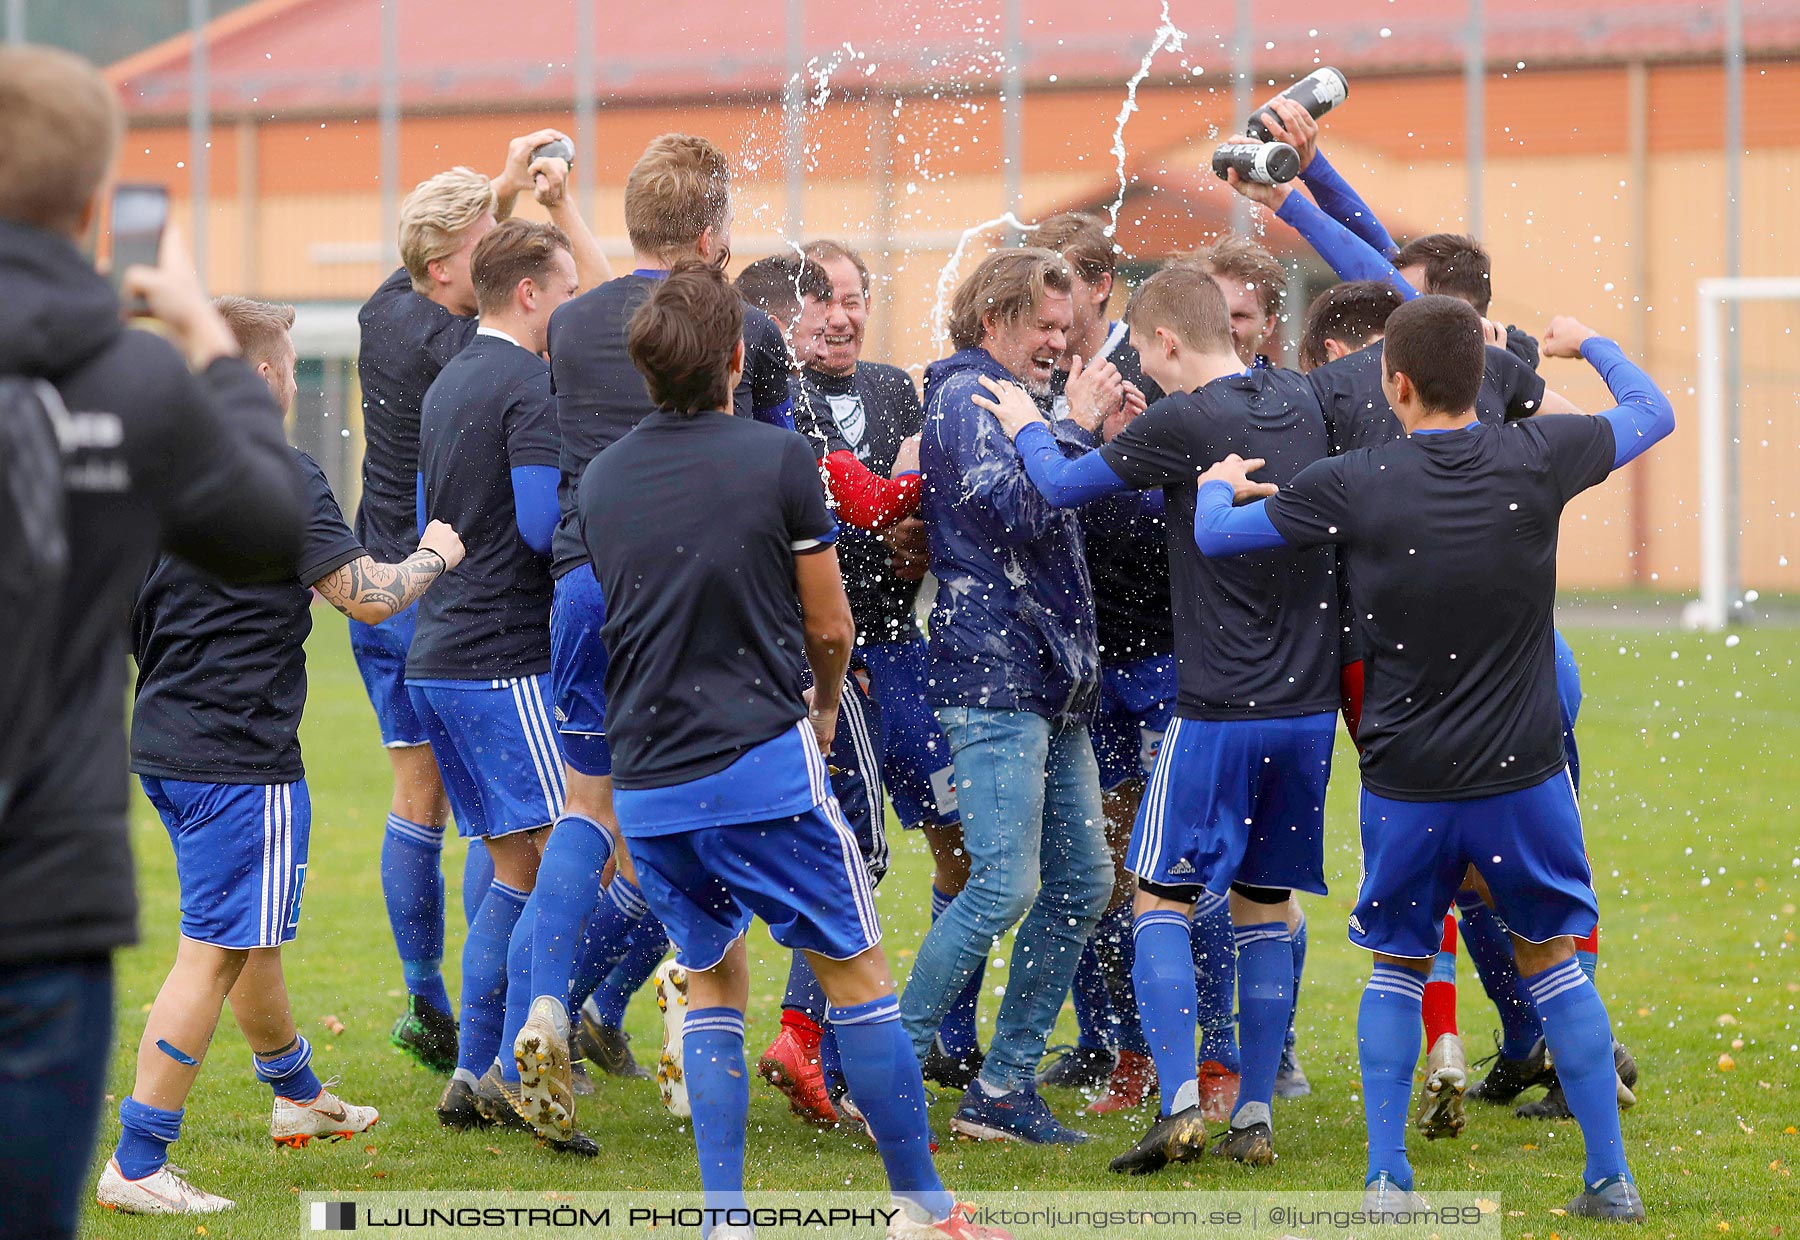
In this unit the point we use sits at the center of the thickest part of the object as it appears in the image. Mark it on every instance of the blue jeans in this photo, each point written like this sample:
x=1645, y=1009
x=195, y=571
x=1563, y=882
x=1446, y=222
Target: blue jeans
x=56, y=1025
x=1036, y=837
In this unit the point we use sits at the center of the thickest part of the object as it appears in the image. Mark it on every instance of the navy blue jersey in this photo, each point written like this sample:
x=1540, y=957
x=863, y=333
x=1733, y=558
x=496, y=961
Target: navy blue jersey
x=693, y=524
x=490, y=412
x=1358, y=415
x=1127, y=548
x=1255, y=635
x=222, y=668
x=866, y=412
x=600, y=395
x=406, y=341
x=1450, y=543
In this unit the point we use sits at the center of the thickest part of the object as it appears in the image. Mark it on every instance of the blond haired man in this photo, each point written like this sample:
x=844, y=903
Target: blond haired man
x=421, y=317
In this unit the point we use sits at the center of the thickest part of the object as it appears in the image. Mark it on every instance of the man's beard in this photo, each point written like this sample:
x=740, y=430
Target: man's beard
x=1039, y=389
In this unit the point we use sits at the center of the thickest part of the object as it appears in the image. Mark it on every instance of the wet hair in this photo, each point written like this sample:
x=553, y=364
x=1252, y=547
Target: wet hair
x=1455, y=265
x=1186, y=301
x=825, y=250
x=682, y=338
x=1081, y=238
x=1352, y=313
x=1009, y=284
x=1239, y=258
x=1437, y=342
x=776, y=284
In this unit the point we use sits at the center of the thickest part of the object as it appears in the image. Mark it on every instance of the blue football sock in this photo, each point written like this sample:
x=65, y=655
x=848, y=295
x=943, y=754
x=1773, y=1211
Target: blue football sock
x=478, y=876
x=1215, y=981
x=957, y=1032
x=1299, y=972
x=831, y=1056
x=1590, y=964
x=607, y=936
x=645, y=950
x=1116, y=950
x=1490, y=947
x=572, y=911
x=412, y=885
x=484, y=977
x=712, y=1054
x=518, y=987
x=1579, y=1035
x=1387, y=1043
x=1265, y=969
x=803, y=992
x=289, y=1073
x=145, y=1134
x=883, y=1075
x=1163, y=975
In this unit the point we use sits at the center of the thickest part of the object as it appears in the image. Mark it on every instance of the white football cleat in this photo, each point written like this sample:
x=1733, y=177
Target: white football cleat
x=546, y=1082
x=1446, y=1079
x=160, y=1192
x=672, y=1001
x=327, y=1116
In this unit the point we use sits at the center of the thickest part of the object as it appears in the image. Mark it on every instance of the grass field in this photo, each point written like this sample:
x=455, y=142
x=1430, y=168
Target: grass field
x=1691, y=784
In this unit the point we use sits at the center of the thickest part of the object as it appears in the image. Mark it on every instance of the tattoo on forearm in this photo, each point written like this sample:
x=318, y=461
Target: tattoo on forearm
x=391, y=587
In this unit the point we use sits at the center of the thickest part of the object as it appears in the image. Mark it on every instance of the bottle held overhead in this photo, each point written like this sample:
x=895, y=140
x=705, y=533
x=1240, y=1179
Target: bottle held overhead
x=1271, y=163
x=1318, y=92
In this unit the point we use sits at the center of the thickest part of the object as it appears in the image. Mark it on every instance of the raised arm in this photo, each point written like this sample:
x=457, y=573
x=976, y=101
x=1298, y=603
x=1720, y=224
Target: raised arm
x=1293, y=125
x=1644, y=415
x=550, y=184
x=370, y=592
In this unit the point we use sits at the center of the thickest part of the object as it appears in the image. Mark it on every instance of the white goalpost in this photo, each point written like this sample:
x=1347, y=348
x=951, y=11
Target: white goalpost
x=1718, y=455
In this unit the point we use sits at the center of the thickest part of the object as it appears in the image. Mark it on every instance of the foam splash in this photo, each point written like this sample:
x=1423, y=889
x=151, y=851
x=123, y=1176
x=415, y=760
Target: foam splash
x=1168, y=35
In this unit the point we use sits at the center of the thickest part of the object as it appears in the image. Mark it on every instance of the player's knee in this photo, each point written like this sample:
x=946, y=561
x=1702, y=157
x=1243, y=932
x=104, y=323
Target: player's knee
x=999, y=903
x=1536, y=957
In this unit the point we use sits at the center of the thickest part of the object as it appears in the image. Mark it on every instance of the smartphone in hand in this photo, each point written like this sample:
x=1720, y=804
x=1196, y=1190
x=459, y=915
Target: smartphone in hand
x=139, y=214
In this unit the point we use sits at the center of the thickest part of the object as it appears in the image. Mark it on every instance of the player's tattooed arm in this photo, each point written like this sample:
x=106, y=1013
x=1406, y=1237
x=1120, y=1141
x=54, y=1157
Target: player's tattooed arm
x=370, y=592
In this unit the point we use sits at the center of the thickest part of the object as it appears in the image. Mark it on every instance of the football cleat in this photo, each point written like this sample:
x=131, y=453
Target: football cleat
x=426, y=1034
x=789, y=1067
x=160, y=1192
x=1290, y=1079
x=580, y=1083
x=1078, y=1067
x=458, y=1109
x=1017, y=1116
x=1218, y=1092
x=328, y=1117
x=1131, y=1085
x=671, y=983
x=1180, y=1137
x=1441, y=1100
x=958, y=1226
x=949, y=1070
x=1614, y=1199
x=1385, y=1199
x=608, y=1048
x=1509, y=1078
x=546, y=1083
x=1253, y=1144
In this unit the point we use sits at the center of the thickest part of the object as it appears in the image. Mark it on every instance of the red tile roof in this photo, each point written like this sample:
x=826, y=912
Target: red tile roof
x=324, y=55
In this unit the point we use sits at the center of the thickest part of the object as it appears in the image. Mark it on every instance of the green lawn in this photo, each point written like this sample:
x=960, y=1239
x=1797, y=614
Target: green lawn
x=1690, y=781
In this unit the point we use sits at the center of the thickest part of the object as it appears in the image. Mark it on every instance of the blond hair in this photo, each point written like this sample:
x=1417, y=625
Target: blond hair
x=1186, y=301
x=1009, y=285
x=259, y=326
x=434, y=217
x=1239, y=258
x=59, y=129
x=1081, y=238
x=679, y=188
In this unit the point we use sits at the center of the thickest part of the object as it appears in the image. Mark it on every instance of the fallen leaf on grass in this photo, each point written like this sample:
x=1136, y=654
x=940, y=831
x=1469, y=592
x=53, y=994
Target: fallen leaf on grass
x=333, y=1025
x=1737, y=1044
x=1726, y=1063
x=1486, y=1206
x=1726, y=1018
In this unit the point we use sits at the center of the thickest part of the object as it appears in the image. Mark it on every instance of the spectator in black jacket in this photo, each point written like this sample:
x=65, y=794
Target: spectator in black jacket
x=176, y=450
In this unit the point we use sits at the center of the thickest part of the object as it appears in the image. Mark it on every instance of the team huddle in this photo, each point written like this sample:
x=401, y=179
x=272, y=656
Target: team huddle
x=635, y=590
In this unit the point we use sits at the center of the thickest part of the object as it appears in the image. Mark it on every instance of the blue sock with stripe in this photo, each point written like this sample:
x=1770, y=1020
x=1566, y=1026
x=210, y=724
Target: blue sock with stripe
x=1265, y=971
x=957, y=1032
x=718, y=1083
x=607, y=938
x=1490, y=947
x=289, y=1073
x=412, y=885
x=1387, y=1044
x=484, y=978
x=518, y=987
x=831, y=1056
x=478, y=876
x=1299, y=972
x=1163, y=975
x=883, y=1075
x=571, y=907
x=1214, y=952
x=648, y=945
x=1579, y=1035
x=145, y=1135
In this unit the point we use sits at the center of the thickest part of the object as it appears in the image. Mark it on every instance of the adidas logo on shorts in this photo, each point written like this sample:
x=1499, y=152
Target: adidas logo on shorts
x=1181, y=867
x=1355, y=924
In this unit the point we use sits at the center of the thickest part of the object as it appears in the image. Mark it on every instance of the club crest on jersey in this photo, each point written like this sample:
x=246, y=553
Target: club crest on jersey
x=851, y=418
